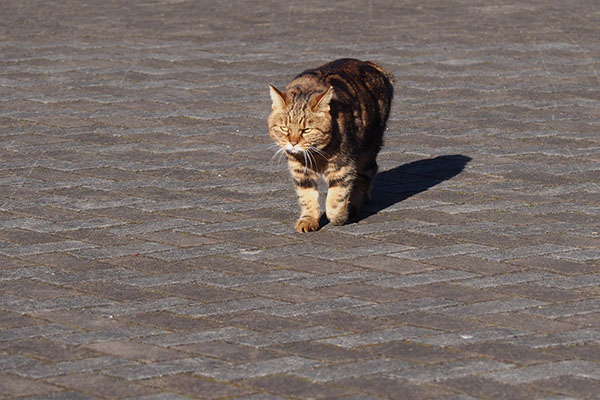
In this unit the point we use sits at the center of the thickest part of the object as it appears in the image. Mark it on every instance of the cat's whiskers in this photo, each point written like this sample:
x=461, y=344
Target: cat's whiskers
x=274, y=146
x=281, y=156
x=306, y=160
x=319, y=152
x=276, y=158
x=312, y=159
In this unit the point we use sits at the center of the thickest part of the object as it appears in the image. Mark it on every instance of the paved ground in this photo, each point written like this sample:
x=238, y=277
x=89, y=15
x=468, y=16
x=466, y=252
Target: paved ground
x=147, y=247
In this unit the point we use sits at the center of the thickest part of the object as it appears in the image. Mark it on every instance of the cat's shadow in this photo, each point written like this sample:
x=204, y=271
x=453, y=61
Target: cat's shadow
x=400, y=183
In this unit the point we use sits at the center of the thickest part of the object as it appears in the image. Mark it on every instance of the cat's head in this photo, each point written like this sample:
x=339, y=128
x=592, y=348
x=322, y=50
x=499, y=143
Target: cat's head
x=301, y=122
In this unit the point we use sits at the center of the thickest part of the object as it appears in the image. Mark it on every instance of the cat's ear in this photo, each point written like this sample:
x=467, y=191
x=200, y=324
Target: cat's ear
x=320, y=102
x=278, y=98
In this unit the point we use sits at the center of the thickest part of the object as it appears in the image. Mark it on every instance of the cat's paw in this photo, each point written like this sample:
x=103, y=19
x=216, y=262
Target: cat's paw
x=307, y=224
x=338, y=220
x=338, y=216
x=337, y=212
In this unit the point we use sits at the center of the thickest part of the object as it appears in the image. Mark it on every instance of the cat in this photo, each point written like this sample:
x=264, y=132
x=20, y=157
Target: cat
x=329, y=121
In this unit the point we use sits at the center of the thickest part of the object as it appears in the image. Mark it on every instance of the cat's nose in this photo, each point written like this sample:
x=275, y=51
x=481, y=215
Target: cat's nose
x=293, y=142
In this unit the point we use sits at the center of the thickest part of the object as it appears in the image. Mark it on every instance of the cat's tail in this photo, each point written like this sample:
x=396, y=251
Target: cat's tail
x=385, y=72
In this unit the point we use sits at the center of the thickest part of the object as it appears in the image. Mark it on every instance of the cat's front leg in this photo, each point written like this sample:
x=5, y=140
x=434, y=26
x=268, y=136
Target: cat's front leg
x=340, y=181
x=306, y=184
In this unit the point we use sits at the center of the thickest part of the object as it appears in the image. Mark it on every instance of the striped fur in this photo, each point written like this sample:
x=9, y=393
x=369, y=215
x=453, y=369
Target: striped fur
x=329, y=121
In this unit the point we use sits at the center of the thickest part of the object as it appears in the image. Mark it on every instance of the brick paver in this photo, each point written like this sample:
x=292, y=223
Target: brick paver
x=147, y=248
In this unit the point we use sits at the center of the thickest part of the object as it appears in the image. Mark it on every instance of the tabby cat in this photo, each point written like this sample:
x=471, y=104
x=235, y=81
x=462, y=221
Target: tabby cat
x=329, y=121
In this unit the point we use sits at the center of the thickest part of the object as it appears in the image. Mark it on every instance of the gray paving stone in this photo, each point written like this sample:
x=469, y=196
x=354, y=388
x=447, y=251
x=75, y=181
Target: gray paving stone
x=260, y=188
x=121, y=251
x=492, y=307
x=468, y=337
x=559, y=208
x=201, y=251
x=451, y=370
x=166, y=303
x=164, y=368
x=376, y=337
x=453, y=250
x=43, y=248
x=225, y=226
x=27, y=272
x=537, y=229
x=431, y=229
x=64, y=395
x=535, y=373
x=61, y=278
x=257, y=369
x=586, y=231
x=64, y=303
x=386, y=226
x=283, y=251
x=259, y=396
x=508, y=279
x=173, y=204
x=74, y=183
x=67, y=367
x=174, y=278
x=9, y=205
x=77, y=339
x=37, y=225
x=408, y=204
x=352, y=370
x=33, y=331
x=278, y=229
x=471, y=208
x=241, y=207
x=558, y=339
x=227, y=307
x=88, y=205
x=12, y=362
x=522, y=252
x=338, y=279
x=574, y=282
x=159, y=396
x=162, y=183
x=178, y=339
x=298, y=335
x=425, y=278
x=157, y=226
x=270, y=276
x=16, y=180
x=314, y=307
x=567, y=309
x=557, y=398
x=358, y=397
x=401, y=307
x=362, y=251
x=580, y=255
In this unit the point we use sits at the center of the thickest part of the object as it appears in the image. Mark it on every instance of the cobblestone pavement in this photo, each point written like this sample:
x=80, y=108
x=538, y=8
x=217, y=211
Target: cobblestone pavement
x=147, y=247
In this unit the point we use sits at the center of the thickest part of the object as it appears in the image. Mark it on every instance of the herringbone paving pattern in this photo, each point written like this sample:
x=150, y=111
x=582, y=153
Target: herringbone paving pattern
x=147, y=248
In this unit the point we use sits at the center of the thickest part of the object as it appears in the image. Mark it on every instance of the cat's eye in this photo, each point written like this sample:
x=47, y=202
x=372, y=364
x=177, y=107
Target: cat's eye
x=284, y=129
x=307, y=130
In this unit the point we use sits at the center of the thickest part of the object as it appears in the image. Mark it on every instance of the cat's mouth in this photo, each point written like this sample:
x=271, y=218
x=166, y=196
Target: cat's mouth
x=293, y=149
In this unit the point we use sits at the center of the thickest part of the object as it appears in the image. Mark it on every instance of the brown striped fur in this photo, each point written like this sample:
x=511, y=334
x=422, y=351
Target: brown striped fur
x=329, y=121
